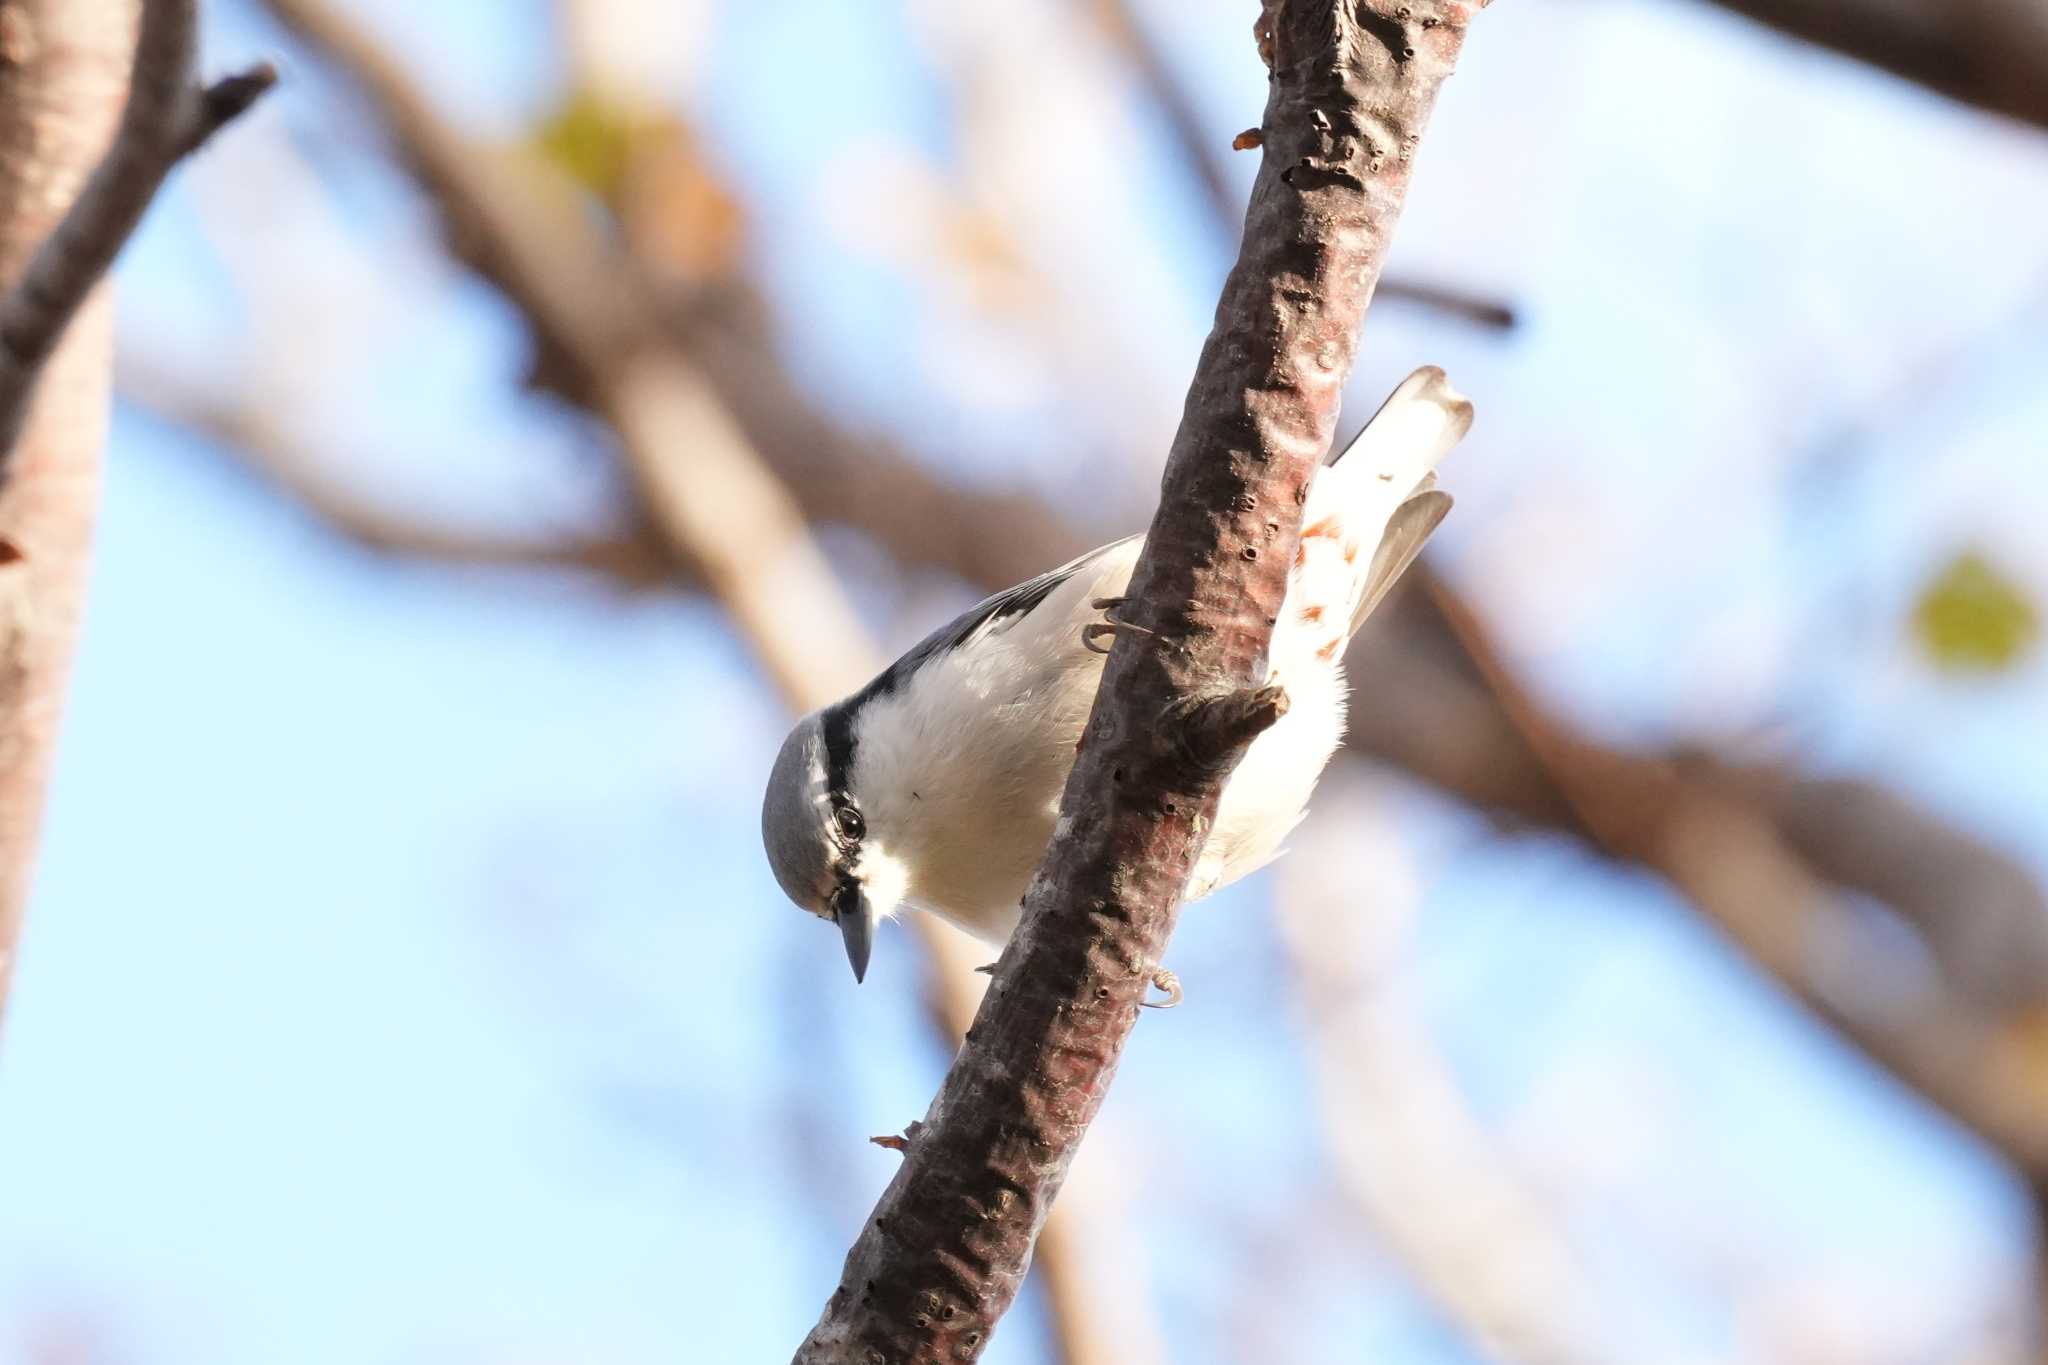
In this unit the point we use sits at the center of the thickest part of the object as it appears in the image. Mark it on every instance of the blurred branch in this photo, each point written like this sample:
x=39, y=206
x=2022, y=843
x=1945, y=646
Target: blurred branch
x=1990, y=54
x=247, y=429
x=1407, y=1148
x=583, y=305
x=1768, y=857
x=167, y=116
x=1435, y=714
x=716, y=506
x=1702, y=826
x=1200, y=154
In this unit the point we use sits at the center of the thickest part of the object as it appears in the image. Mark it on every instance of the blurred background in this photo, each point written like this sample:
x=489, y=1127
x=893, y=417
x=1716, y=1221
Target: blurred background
x=1662, y=975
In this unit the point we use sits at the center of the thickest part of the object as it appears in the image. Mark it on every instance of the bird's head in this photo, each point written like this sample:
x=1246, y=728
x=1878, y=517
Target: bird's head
x=817, y=837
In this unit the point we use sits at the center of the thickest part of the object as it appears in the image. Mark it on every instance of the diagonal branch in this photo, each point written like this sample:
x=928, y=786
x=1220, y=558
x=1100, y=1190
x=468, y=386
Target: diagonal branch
x=947, y=1246
x=1763, y=853
x=1972, y=1043
x=1989, y=54
x=247, y=431
x=1707, y=831
x=167, y=117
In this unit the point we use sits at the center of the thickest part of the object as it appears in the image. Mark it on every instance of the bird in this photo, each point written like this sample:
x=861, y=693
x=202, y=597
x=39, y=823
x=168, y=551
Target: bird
x=935, y=787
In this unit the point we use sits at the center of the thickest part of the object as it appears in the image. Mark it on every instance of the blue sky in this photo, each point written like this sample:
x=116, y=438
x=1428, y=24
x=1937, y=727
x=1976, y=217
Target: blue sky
x=403, y=981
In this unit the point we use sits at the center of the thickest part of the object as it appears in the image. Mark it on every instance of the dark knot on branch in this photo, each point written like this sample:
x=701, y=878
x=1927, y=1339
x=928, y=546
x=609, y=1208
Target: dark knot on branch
x=1213, y=730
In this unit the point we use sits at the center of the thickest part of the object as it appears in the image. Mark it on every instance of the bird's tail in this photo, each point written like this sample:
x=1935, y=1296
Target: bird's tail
x=1380, y=491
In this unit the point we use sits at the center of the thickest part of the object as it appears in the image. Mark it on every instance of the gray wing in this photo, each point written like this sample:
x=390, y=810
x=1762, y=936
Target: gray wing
x=989, y=615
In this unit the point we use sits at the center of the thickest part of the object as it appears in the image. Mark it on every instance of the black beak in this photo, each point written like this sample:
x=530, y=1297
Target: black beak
x=856, y=919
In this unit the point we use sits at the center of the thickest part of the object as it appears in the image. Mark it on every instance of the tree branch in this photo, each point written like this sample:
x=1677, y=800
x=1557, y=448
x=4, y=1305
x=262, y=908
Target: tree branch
x=941, y=1258
x=1990, y=54
x=1199, y=153
x=243, y=428
x=167, y=116
x=1979, y=1060
x=1448, y=709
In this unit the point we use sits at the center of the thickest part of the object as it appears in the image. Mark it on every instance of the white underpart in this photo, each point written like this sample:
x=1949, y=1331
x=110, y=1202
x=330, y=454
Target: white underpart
x=960, y=772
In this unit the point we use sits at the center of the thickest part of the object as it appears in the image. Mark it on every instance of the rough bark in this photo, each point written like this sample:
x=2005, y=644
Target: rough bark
x=1201, y=154
x=63, y=67
x=947, y=1247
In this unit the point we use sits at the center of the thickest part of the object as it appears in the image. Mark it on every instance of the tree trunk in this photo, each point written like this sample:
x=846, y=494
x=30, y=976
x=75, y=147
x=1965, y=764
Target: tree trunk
x=64, y=71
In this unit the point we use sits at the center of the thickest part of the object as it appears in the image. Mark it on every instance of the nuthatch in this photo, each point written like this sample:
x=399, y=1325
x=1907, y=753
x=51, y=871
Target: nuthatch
x=936, y=786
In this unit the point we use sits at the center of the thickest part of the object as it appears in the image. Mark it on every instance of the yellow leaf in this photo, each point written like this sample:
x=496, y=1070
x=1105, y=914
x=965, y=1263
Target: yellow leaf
x=590, y=139
x=1971, y=617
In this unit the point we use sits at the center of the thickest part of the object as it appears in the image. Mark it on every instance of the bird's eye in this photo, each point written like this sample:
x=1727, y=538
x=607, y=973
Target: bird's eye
x=850, y=823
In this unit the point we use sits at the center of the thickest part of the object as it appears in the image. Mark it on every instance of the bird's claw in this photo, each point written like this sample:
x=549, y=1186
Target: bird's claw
x=1096, y=631
x=1165, y=981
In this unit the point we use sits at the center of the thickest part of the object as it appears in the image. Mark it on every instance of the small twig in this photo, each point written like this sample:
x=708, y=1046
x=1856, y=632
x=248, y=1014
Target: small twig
x=1473, y=308
x=226, y=100
x=166, y=118
x=899, y=1144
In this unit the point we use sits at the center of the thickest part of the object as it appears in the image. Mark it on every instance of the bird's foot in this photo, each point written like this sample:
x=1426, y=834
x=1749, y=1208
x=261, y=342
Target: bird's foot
x=1165, y=981
x=1095, y=632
